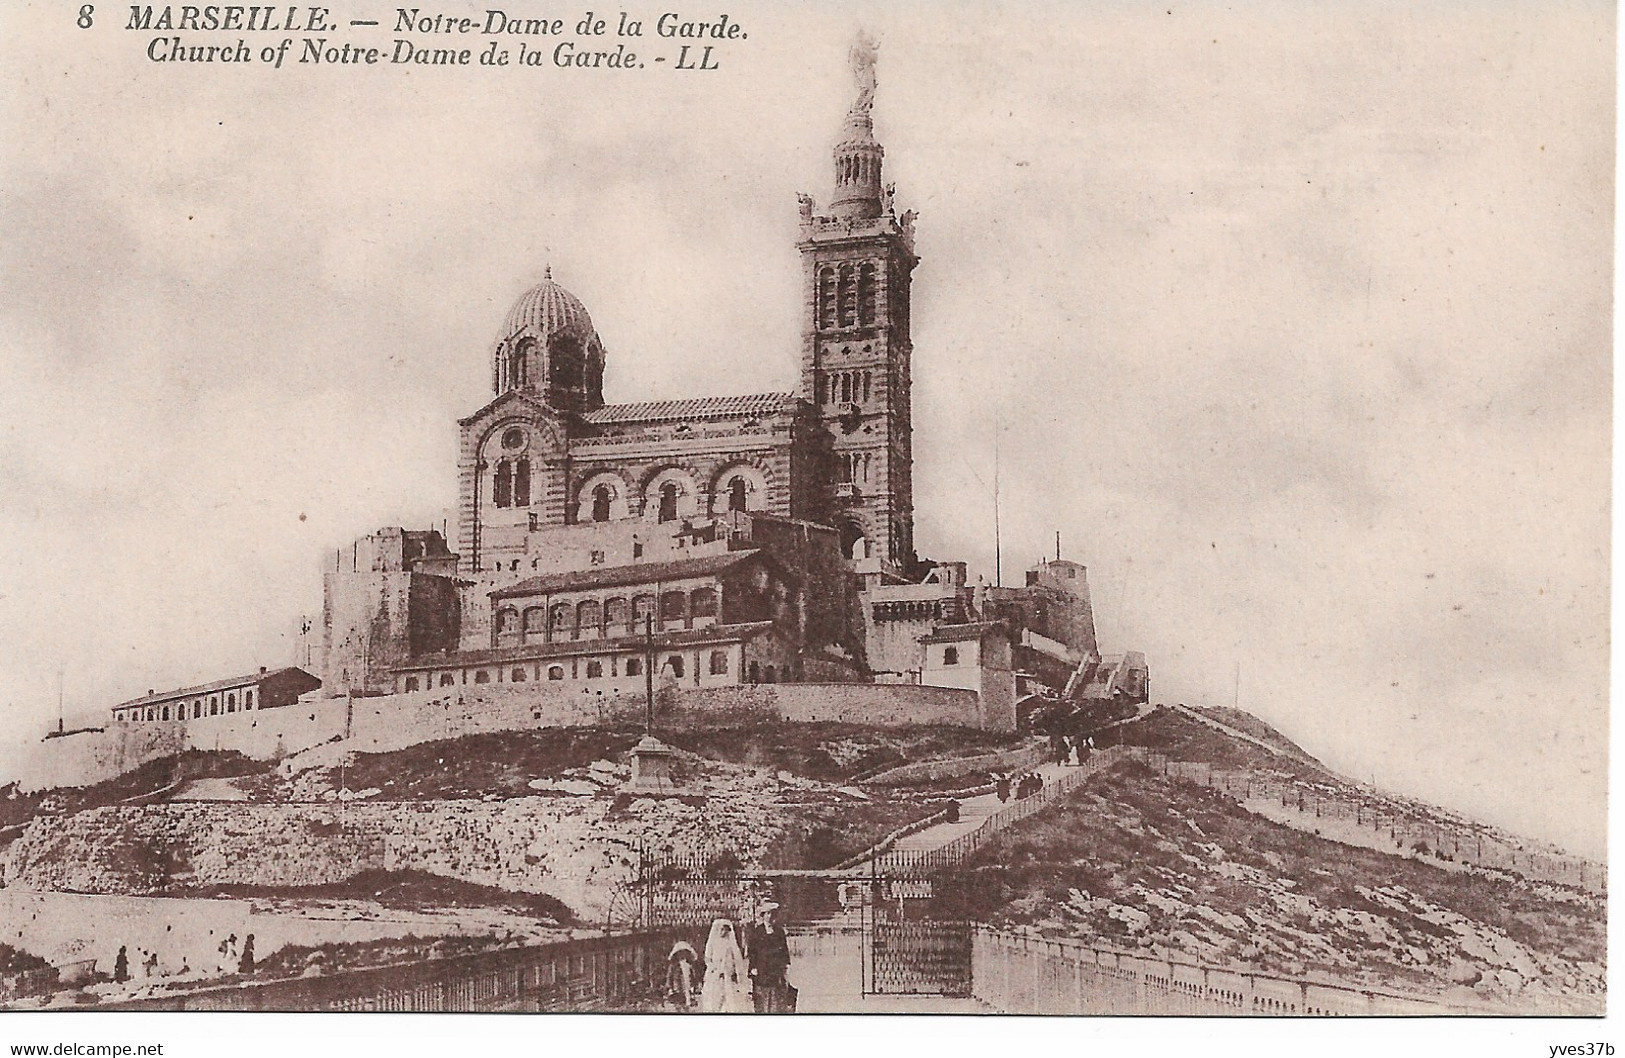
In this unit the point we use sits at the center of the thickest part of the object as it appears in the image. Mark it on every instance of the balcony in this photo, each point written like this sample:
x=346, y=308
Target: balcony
x=845, y=490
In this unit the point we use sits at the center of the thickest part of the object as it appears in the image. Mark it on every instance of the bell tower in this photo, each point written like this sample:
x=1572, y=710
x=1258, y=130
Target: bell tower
x=857, y=261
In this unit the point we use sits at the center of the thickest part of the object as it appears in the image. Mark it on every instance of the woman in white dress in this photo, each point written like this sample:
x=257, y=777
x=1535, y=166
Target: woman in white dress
x=727, y=982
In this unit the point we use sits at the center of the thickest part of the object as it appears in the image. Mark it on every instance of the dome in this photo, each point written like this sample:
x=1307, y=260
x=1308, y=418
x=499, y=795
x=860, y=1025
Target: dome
x=548, y=347
x=547, y=309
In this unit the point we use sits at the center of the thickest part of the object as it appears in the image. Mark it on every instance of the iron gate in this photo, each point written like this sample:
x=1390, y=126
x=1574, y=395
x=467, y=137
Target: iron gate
x=916, y=933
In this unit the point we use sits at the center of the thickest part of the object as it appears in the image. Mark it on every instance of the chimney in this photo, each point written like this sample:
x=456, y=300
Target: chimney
x=262, y=670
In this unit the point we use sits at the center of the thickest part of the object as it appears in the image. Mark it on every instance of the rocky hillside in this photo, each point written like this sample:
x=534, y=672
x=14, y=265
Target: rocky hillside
x=530, y=812
x=1149, y=857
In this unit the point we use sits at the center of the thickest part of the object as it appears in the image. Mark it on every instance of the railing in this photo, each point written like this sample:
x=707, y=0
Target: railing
x=1020, y=974
x=959, y=849
x=614, y=973
x=1406, y=832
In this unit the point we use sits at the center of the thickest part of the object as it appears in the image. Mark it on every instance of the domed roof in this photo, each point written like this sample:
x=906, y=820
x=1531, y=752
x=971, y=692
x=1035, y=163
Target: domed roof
x=548, y=309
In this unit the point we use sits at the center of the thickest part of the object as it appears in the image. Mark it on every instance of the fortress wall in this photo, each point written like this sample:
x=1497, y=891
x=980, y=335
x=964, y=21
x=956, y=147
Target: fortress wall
x=90, y=757
x=395, y=721
x=269, y=733
x=885, y=705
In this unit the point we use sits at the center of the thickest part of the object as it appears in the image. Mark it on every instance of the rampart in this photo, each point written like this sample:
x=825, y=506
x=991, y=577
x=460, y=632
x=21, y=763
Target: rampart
x=395, y=721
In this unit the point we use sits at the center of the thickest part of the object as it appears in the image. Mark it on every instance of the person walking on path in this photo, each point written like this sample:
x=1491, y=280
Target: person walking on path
x=767, y=949
x=727, y=987
x=680, y=975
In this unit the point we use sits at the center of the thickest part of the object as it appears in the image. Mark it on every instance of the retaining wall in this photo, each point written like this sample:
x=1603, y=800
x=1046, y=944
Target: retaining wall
x=395, y=721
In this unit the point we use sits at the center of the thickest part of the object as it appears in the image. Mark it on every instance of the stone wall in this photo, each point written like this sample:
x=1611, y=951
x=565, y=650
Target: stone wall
x=91, y=757
x=394, y=721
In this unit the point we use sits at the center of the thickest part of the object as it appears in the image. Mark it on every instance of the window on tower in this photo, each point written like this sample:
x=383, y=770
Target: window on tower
x=847, y=296
x=668, y=502
x=736, y=494
x=600, y=503
x=866, y=295
x=826, y=297
x=521, y=483
x=502, y=486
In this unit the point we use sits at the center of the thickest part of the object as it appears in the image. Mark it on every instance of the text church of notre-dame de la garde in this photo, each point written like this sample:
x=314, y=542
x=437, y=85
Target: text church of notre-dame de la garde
x=704, y=542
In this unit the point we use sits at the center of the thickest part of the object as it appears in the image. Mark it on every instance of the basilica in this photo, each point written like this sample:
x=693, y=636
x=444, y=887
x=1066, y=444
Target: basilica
x=704, y=542
x=759, y=538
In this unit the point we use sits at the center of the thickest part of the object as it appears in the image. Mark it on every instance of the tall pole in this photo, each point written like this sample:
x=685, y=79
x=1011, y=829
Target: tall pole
x=649, y=669
x=998, y=554
x=1057, y=545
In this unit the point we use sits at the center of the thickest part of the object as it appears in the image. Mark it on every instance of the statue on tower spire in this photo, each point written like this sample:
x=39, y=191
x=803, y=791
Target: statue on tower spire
x=862, y=56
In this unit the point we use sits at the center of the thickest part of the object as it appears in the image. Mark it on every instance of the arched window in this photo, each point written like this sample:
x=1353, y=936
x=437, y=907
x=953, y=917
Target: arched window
x=823, y=390
x=411, y=684
x=826, y=297
x=502, y=485
x=482, y=676
x=755, y=673
x=848, y=296
x=248, y=699
x=615, y=615
x=719, y=663
x=446, y=679
x=771, y=675
x=674, y=665
x=595, y=669
x=507, y=622
x=535, y=621
x=518, y=675
x=866, y=295
x=737, y=489
x=166, y=712
x=588, y=617
x=521, y=483
x=559, y=620
x=516, y=369
x=950, y=655
x=634, y=666
x=703, y=602
x=643, y=606
x=600, y=503
x=555, y=672
x=668, y=502
x=673, y=606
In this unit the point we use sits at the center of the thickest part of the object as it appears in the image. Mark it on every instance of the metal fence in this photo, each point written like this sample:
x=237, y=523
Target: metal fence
x=622, y=972
x=1019, y=974
x=958, y=850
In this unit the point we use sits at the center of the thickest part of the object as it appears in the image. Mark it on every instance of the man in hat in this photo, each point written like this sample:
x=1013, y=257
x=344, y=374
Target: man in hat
x=767, y=951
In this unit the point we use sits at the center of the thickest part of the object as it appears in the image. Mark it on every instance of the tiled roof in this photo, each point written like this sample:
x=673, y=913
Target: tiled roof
x=686, y=637
x=636, y=573
x=697, y=408
x=961, y=633
x=216, y=685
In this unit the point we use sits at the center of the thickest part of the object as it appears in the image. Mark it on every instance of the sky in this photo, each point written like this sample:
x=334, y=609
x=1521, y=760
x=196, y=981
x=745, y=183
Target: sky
x=1294, y=319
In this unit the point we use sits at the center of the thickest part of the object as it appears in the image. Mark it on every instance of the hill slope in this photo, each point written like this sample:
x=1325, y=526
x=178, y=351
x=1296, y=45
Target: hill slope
x=1147, y=857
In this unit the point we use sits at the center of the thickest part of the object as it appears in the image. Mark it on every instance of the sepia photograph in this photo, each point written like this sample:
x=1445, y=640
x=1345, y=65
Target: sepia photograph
x=1094, y=510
